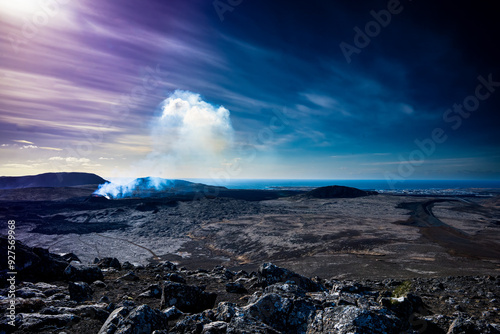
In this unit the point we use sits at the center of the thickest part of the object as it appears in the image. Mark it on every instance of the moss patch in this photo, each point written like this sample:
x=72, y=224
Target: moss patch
x=402, y=290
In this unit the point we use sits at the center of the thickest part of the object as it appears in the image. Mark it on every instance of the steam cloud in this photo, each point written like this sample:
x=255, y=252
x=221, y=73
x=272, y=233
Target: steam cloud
x=143, y=187
x=189, y=135
x=190, y=127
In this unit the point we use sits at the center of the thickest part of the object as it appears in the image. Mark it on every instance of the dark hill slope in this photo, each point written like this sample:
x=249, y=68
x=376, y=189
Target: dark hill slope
x=338, y=192
x=50, y=180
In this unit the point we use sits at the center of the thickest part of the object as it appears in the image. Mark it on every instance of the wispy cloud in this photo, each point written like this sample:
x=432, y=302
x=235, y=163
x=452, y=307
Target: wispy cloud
x=50, y=148
x=22, y=141
x=70, y=159
x=78, y=84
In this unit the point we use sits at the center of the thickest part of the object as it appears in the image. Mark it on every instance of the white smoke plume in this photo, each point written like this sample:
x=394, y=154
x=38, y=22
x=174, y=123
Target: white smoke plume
x=189, y=135
x=144, y=187
x=189, y=127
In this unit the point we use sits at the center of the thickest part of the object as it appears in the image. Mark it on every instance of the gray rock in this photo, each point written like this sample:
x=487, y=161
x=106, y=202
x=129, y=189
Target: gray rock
x=191, y=324
x=99, y=284
x=70, y=257
x=36, y=262
x=245, y=325
x=172, y=313
x=216, y=327
x=286, y=289
x=29, y=293
x=113, y=320
x=288, y=315
x=187, y=298
x=348, y=287
x=153, y=291
x=167, y=265
x=58, y=296
x=175, y=278
x=80, y=291
x=271, y=274
x=351, y=319
x=130, y=276
x=42, y=286
x=141, y=320
x=88, y=274
x=51, y=292
x=465, y=325
x=225, y=311
x=96, y=311
x=127, y=265
x=39, y=322
x=109, y=262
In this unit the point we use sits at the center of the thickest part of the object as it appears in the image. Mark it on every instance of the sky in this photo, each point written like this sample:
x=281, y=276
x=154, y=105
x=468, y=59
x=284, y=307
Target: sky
x=238, y=89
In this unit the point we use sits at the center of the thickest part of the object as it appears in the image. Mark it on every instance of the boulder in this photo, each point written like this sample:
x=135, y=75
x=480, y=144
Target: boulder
x=80, y=291
x=130, y=276
x=175, y=278
x=187, y=298
x=39, y=322
x=172, y=313
x=109, y=262
x=167, y=265
x=96, y=311
x=27, y=292
x=83, y=273
x=32, y=263
x=192, y=324
x=141, y=320
x=216, y=327
x=127, y=265
x=153, y=291
x=465, y=325
x=287, y=315
x=70, y=257
x=285, y=289
x=113, y=320
x=462, y=325
x=244, y=325
x=271, y=274
x=225, y=311
x=99, y=284
x=351, y=319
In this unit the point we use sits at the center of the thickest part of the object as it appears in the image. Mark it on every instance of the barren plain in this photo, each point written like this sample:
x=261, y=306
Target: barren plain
x=376, y=236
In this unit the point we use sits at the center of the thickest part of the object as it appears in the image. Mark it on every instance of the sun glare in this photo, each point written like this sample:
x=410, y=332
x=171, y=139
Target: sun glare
x=19, y=7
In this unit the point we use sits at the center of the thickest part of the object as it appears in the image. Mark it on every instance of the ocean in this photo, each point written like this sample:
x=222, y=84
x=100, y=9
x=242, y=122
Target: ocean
x=417, y=187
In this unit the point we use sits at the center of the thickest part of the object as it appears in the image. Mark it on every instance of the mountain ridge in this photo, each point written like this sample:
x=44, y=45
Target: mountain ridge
x=51, y=180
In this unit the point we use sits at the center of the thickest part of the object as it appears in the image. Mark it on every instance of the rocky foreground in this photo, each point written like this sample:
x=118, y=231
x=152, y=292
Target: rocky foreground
x=58, y=294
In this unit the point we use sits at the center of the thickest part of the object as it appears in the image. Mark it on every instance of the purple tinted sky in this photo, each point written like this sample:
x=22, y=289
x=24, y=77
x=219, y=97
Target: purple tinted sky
x=81, y=84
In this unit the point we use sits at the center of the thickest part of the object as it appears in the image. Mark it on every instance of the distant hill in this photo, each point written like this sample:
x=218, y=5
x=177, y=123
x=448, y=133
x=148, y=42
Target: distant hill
x=53, y=180
x=338, y=192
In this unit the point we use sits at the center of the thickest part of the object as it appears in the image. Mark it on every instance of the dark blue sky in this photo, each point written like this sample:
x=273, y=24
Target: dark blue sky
x=168, y=88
